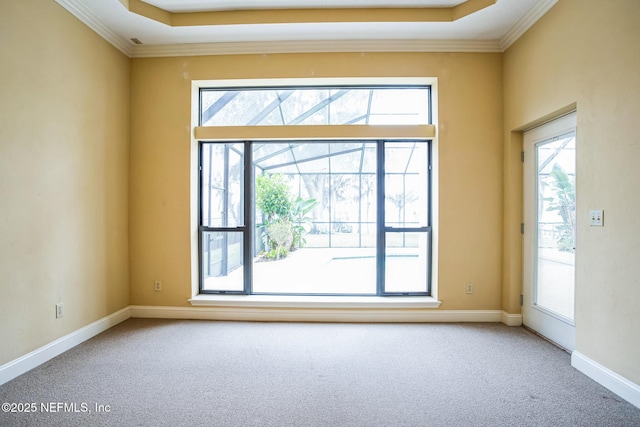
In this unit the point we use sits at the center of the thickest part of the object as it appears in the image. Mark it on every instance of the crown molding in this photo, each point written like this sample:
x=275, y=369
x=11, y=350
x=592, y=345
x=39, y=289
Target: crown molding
x=78, y=9
x=90, y=19
x=295, y=15
x=315, y=46
x=526, y=22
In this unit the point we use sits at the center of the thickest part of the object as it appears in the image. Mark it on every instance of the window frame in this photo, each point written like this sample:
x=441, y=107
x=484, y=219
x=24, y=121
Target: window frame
x=387, y=132
x=248, y=201
x=339, y=87
x=248, y=228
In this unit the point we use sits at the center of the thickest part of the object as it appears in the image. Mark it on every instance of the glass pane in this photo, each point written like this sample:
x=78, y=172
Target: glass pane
x=310, y=151
x=406, y=262
x=318, y=271
x=236, y=107
x=222, y=185
x=302, y=104
x=316, y=186
x=406, y=184
x=348, y=157
x=350, y=108
x=314, y=106
x=369, y=161
x=317, y=165
x=339, y=231
x=399, y=106
x=333, y=174
x=345, y=194
x=263, y=152
x=368, y=209
x=556, y=224
x=222, y=261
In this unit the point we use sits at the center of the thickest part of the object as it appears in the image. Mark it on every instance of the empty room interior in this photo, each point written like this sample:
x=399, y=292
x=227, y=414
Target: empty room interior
x=439, y=162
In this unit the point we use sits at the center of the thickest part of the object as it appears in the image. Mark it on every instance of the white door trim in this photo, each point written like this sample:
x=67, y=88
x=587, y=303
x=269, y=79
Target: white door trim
x=545, y=322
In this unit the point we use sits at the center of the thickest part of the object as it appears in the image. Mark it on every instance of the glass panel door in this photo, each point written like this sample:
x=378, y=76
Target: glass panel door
x=556, y=225
x=550, y=230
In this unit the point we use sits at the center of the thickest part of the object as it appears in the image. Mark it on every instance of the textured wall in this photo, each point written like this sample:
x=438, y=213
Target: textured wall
x=64, y=132
x=470, y=162
x=586, y=52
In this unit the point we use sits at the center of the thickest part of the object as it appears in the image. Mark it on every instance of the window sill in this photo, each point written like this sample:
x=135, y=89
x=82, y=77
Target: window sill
x=314, y=302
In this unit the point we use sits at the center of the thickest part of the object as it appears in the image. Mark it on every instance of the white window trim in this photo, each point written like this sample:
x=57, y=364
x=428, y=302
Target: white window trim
x=313, y=302
x=304, y=301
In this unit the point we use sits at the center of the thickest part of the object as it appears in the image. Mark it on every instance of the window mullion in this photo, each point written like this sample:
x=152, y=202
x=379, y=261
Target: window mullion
x=205, y=229
x=200, y=233
x=380, y=220
x=249, y=220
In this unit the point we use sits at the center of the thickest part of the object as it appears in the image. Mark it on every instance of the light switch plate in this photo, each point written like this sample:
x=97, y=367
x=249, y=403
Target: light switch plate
x=596, y=218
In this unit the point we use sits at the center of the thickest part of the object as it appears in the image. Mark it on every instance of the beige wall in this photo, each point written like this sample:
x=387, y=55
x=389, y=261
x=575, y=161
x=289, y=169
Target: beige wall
x=470, y=155
x=586, y=52
x=64, y=112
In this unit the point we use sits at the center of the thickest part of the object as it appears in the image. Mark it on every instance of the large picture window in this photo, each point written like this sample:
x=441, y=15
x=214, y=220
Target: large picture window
x=315, y=217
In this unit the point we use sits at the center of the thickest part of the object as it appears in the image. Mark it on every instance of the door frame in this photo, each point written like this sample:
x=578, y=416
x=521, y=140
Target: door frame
x=551, y=325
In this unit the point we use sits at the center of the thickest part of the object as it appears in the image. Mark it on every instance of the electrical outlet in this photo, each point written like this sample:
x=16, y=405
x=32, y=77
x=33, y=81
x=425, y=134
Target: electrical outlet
x=157, y=286
x=59, y=312
x=469, y=288
x=596, y=218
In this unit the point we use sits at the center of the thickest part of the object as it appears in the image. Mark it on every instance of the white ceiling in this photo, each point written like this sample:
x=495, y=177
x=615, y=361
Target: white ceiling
x=491, y=29
x=208, y=5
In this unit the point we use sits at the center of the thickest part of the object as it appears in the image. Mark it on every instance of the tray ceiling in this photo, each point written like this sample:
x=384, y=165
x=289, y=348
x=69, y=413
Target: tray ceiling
x=195, y=27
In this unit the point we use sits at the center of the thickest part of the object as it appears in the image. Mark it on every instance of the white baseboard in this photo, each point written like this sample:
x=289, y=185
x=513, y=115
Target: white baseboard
x=23, y=364
x=283, y=314
x=621, y=386
x=47, y=352
x=602, y=375
x=511, y=319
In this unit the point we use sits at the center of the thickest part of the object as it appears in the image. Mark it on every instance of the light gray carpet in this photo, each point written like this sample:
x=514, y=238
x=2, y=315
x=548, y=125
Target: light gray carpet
x=205, y=373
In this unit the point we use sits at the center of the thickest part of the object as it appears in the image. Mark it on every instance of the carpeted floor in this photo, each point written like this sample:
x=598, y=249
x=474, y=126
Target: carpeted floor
x=203, y=373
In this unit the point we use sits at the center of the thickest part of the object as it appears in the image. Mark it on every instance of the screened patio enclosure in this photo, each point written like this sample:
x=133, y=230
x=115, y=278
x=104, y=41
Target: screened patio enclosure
x=340, y=251
x=315, y=106
x=365, y=228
